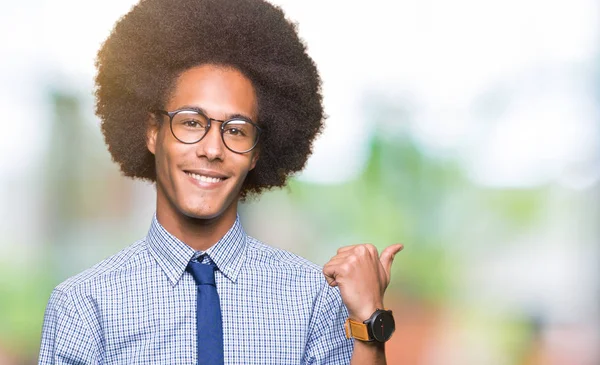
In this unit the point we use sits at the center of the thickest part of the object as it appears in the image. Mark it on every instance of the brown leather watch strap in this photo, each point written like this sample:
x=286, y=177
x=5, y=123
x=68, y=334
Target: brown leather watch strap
x=356, y=330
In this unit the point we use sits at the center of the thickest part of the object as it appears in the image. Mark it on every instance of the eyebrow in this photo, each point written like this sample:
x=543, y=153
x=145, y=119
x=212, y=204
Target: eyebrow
x=228, y=116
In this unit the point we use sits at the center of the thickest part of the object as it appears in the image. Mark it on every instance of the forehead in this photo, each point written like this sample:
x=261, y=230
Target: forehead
x=220, y=91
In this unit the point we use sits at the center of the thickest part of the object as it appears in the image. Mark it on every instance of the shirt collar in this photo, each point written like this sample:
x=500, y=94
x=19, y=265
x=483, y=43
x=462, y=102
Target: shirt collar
x=229, y=253
x=173, y=256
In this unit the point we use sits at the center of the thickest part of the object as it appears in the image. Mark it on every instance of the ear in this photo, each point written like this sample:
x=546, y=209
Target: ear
x=152, y=129
x=255, y=157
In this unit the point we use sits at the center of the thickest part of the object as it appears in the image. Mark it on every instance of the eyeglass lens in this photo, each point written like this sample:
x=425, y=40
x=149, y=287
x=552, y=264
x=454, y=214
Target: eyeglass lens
x=190, y=127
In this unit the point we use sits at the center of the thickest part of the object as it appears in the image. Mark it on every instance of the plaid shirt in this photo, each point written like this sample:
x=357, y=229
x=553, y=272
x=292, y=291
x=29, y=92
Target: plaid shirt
x=138, y=307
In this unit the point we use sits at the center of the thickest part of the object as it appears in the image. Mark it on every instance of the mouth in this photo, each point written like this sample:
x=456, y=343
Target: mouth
x=206, y=179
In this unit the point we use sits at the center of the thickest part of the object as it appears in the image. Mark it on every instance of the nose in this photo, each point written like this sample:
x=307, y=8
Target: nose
x=211, y=146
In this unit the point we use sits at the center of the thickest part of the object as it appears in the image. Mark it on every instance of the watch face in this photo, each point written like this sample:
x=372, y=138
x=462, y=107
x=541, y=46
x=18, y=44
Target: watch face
x=383, y=326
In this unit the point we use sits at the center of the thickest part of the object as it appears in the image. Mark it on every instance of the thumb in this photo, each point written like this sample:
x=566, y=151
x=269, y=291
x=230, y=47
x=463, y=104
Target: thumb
x=387, y=257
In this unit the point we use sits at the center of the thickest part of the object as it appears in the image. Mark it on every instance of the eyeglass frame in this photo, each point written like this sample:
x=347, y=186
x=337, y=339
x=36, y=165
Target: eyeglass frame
x=173, y=113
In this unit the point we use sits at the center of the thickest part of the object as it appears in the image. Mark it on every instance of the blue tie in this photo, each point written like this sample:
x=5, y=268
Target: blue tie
x=209, y=324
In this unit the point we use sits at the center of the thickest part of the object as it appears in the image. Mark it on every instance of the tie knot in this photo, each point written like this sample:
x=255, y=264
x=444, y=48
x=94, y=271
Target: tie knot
x=204, y=274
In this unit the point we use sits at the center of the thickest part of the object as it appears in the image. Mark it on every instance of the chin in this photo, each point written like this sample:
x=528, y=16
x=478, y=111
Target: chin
x=205, y=211
x=204, y=215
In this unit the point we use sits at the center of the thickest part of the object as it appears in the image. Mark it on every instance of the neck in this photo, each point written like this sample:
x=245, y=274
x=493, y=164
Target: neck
x=198, y=233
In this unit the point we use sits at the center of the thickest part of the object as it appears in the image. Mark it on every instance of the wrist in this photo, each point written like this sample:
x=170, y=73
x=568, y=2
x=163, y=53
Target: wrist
x=365, y=312
x=378, y=327
x=370, y=345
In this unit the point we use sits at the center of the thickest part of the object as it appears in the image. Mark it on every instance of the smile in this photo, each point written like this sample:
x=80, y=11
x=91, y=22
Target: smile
x=204, y=179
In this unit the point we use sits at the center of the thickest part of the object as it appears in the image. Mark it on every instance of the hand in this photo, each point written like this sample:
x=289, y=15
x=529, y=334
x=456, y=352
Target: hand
x=362, y=276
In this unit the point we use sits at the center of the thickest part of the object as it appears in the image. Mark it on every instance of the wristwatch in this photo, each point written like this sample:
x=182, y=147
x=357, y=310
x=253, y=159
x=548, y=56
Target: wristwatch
x=379, y=327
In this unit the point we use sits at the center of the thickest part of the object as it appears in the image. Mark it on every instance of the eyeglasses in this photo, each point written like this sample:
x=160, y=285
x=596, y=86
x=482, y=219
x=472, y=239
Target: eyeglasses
x=189, y=126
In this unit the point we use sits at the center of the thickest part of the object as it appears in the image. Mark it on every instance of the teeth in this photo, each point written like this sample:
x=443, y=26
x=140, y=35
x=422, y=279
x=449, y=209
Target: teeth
x=203, y=178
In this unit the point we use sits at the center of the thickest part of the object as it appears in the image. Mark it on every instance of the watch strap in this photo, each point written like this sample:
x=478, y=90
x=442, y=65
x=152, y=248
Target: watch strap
x=357, y=330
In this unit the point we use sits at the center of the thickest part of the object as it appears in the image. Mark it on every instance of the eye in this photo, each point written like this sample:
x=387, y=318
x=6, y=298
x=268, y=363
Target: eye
x=192, y=123
x=234, y=131
x=237, y=129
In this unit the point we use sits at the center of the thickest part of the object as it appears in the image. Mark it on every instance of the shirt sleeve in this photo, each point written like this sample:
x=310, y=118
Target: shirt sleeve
x=327, y=342
x=65, y=337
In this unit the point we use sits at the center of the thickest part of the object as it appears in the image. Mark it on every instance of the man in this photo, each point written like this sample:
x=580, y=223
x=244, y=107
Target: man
x=214, y=101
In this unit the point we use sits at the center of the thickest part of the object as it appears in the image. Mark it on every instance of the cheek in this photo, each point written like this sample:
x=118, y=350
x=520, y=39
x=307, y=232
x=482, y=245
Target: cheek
x=248, y=164
x=166, y=158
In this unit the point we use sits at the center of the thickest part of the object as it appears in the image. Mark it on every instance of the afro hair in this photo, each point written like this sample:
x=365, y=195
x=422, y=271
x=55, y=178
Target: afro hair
x=157, y=40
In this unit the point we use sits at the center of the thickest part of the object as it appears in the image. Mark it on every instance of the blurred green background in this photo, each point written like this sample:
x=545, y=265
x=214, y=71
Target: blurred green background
x=466, y=130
